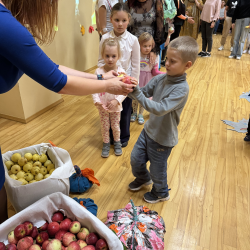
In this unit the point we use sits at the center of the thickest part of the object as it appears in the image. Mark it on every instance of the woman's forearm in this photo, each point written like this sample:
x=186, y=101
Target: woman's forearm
x=73, y=72
x=81, y=86
x=102, y=18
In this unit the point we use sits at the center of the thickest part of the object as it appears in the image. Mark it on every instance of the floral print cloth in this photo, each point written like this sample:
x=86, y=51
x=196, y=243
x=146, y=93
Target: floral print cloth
x=138, y=228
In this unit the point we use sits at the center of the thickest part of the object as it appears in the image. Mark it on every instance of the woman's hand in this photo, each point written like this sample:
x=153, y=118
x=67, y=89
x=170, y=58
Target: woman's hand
x=152, y=57
x=117, y=87
x=191, y=20
x=212, y=25
x=112, y=104
x=109, y=75
x=233, y=25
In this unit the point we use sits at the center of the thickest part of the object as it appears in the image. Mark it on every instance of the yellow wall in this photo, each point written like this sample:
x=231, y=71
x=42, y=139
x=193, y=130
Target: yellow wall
x=69, y=48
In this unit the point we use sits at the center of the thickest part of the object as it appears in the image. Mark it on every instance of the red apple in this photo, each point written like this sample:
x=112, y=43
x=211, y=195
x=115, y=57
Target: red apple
x=45, y=243
x=101, y=244
x=81, y=243
x=35, y=247
x=90, y=247
x=75, y=227
x=91, y=239
x=57, y=217
x=2, y=246
x=43, y=227
x=20, y=231
x=28, y=227
x=67, y=238
x=59, y=234
x=24, y=244
x=127, y=79
x=43, y=236
x=11, y=247
x=53, y=228
x=74, y=246
x=54, y=245
x=83, y=233
x=64, y=225
x=34, y=233
x=12, y=239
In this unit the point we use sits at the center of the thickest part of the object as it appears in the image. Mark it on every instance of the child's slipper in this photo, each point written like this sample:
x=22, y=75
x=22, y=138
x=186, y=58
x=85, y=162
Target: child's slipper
x=133, y=117
x=140, y=119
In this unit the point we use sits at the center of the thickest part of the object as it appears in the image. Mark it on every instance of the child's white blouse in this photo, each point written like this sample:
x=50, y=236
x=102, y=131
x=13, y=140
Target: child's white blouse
x=130, y=48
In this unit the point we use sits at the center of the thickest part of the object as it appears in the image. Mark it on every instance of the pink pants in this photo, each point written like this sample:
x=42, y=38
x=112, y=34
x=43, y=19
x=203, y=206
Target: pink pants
x=112, y=118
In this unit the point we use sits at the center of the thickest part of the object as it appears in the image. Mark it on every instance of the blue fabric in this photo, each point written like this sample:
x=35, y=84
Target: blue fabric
x=146, y=150
x=89, y=204
x=79, y=184
x=2, y=172
x=20, y=54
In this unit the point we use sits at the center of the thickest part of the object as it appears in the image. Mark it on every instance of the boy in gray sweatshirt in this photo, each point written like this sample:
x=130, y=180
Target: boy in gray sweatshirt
x=160, y=133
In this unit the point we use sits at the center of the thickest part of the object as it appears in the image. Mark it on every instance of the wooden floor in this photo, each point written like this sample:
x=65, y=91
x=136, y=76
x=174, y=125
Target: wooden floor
x=208, y=171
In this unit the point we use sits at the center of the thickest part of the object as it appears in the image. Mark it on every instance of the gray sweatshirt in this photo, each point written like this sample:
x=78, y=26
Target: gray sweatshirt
x=170, y=95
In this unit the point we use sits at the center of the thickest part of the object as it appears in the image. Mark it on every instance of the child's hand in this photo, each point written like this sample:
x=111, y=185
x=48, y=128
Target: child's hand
x=134, y=81
x=112, y=104
x=152, y=57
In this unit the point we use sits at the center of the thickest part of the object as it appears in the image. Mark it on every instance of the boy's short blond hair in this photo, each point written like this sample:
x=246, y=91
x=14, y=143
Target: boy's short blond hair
x=111, y=42
x=187, y=46
x=145, y=37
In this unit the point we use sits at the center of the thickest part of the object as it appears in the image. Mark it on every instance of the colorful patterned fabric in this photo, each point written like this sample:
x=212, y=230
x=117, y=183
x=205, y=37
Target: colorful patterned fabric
x=138, y=227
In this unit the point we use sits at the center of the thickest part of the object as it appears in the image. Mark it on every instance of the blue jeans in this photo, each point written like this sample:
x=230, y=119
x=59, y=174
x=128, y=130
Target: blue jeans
x=217, y=25
x=240, y=36
x=146, y=150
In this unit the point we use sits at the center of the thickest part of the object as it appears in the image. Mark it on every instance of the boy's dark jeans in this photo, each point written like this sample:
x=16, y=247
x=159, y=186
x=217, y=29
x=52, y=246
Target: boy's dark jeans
x=207, y=36
x=146, y=150
x=248, y=129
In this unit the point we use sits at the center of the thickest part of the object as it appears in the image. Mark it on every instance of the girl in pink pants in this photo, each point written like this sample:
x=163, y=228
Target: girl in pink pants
x=109, y=105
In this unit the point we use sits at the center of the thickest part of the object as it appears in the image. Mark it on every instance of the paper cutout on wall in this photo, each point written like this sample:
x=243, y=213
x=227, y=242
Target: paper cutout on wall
x=93, y=17
x=56, y=28
x=77, y=8
x=240, y=126
x=245, y=96
x=91, y=29
x=82, y=30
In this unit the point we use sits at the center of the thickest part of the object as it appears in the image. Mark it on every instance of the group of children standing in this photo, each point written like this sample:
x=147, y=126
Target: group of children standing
x=164, y=96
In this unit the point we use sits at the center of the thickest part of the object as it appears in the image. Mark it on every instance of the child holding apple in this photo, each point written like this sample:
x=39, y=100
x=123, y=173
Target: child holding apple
x=109, y=105
x=129, y=61
x=160, y=133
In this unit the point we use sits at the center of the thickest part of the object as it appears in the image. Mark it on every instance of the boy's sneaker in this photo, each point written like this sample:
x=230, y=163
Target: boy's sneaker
x=105, y=150
x=140, y=119
x=221, y=48
x=247, y=138
x=238, y=57
x=118, y=148
x=201, y=53
x=125, y=144
x=231, y=49
x=245, y=51
x=137, y=185
x=133, y=117
x=230, y=57
x=206, y=54
x=152, y=198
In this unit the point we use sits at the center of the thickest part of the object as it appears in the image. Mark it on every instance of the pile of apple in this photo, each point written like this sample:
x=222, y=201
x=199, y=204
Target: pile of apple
x=29, y=168
x=61, y=234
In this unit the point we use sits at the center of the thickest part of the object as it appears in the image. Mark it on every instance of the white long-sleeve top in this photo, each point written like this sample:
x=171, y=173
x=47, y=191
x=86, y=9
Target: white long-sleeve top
x=130, y=48
x=105, y=97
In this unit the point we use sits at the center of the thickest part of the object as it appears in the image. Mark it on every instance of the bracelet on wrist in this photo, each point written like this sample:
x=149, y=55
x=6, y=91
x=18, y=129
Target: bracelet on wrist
x=100, y=77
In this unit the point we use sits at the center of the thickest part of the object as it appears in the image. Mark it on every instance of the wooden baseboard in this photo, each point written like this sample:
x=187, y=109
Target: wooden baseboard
x=91, y=69
x=33, y=116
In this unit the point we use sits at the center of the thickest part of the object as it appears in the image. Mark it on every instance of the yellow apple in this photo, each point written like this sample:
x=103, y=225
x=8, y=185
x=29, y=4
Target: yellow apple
x=32, y=181
x=39, y=177
x=51, y=171
x=50, y=166
x=43, y=170
x=29, y=177
x=22, y=161
x=35, y=170
x=46, y=176
x=35, y=157
x=9, y=164
x=13, y=177
x=27, y=168
x=37, y=164
x=20, y=174
x=28, y=156
x=24, y=182
x=15, y=157
x=15, y=169
x=46, y=163
x=10, y=172
x=43, y=158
